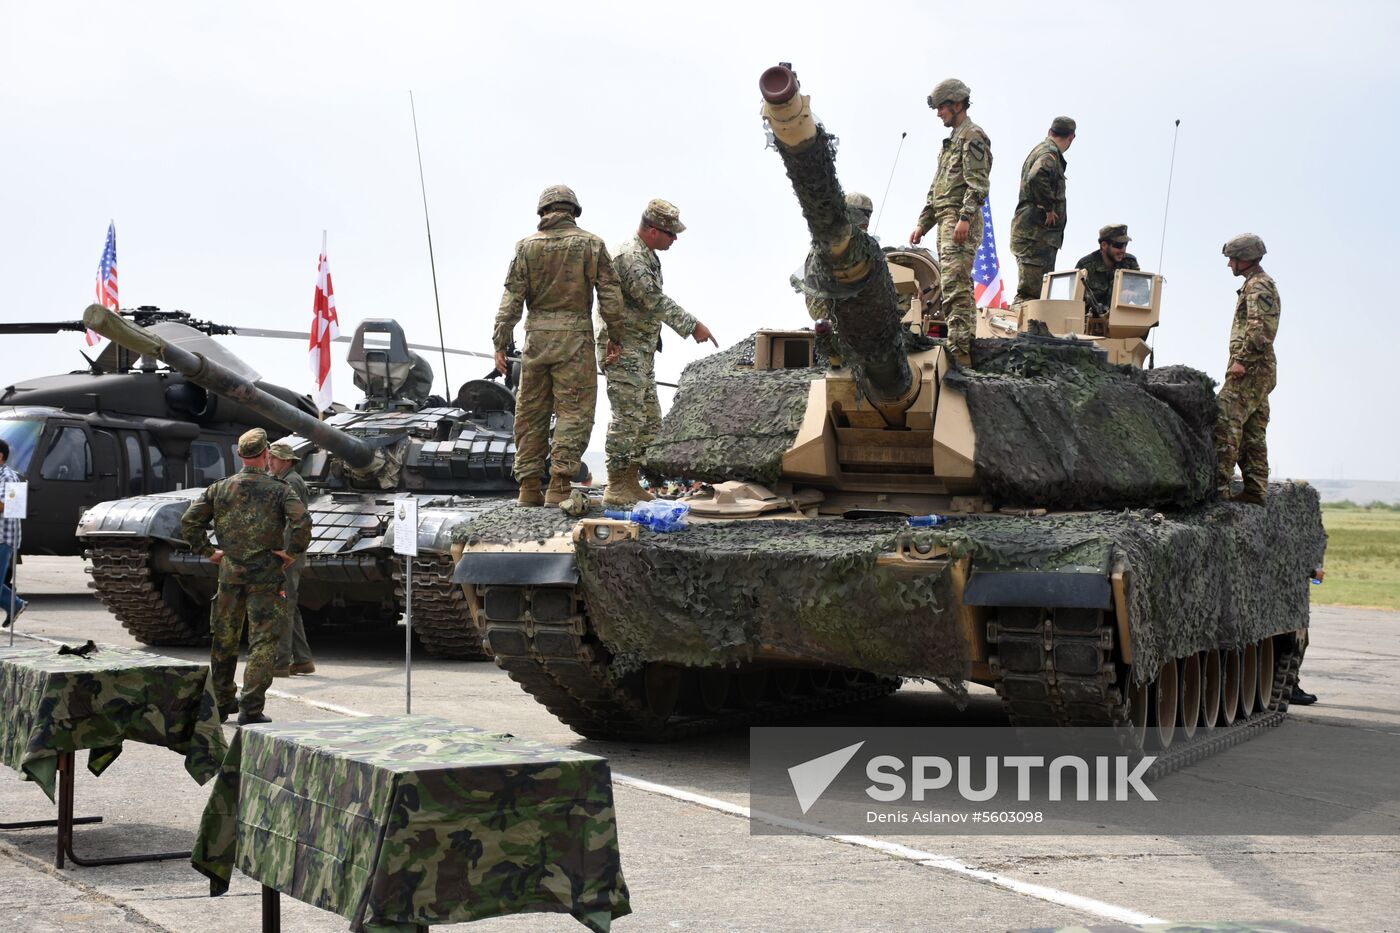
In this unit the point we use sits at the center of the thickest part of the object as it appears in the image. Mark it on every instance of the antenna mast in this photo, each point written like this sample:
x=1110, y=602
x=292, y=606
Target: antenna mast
x=886, y=196
x=432, y=263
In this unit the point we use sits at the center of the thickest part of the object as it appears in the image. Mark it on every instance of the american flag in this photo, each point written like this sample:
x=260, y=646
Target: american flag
x=987, y=288
x=325, y=327
x=106, y=279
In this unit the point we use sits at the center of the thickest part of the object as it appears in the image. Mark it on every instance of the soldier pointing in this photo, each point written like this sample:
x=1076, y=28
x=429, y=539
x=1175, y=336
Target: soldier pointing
x=955, y=208
x=636, y=414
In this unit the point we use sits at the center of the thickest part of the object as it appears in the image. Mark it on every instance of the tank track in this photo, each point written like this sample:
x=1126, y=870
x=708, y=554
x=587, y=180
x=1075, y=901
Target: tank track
x=541, y=639
x=441, y=619
x=1056, y=667
x=131, y=588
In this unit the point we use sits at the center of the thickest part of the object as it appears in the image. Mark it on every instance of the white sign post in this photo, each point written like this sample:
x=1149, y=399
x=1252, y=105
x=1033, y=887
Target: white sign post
x=16, y=507
x=406, y=543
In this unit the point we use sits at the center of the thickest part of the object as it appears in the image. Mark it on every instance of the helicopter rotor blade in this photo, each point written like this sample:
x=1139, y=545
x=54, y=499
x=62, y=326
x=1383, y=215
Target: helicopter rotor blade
x=41, y=327
x=295, y=335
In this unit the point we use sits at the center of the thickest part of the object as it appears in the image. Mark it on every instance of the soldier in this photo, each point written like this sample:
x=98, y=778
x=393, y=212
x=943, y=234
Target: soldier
x=254, y=516
x=636, y=414
x=9, y=540
x=1111, y=256
x=955, y=206
x=1243, y=421
x=293, y=650
x=859, y=207
x=555, y=272
x=1038, y=228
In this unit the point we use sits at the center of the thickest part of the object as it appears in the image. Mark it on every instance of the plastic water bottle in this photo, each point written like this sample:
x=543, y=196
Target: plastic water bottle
x=927, y=521
x=658, y=514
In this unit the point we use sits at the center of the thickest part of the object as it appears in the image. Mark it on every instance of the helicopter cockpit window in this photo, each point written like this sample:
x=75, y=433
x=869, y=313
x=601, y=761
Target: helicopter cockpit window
x=136, y=467
x=157, y=460
x=23, y=436
x=207, y=462
x=69, y=458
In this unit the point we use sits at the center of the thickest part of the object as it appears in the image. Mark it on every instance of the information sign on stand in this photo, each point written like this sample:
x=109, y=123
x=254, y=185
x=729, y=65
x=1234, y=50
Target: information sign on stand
x=406, y=543
x=16, y=507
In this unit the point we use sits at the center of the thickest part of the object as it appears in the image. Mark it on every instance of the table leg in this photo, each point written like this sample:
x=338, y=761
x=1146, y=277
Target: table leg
x=271, y=910
x=66, y=769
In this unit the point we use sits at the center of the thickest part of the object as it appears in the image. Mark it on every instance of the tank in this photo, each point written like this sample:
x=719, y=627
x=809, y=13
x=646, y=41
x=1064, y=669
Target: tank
x=1042, y=522
x=455, y=459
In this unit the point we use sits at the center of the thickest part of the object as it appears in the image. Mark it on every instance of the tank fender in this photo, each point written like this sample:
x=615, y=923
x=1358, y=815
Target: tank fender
x=436, y=521
x=154, y=516
x=540, y=568
x=1066, y=589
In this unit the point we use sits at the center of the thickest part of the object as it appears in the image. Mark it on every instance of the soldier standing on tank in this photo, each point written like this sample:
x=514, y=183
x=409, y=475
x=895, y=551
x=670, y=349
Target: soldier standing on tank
x=1038, y=228
x=254, y=516
x=554, y=273
x=1243, y=421
x=859, y=207
x=636, y=413
x=955, y=206
x=1100, y=266
x=293, y=650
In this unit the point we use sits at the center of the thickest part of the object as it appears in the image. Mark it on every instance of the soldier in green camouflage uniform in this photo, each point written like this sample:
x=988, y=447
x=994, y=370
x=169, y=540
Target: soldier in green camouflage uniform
x=293, y=650
x=1100, y=265
x=1038, y=228
x=636, y=414
x=859, y=207
x=555, y=272
x=1243, y=421
x=955, y=207
x=254, y=516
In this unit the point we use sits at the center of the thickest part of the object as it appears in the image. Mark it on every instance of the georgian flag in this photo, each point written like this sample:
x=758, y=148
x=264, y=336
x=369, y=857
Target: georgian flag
x=325, y=327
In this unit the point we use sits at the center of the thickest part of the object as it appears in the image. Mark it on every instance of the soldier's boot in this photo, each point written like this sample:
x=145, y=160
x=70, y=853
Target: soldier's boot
x=1302, y=697
x=530, y=492
x=558, y=491
x=623, y=489
x=643, y=494
x=283, y=671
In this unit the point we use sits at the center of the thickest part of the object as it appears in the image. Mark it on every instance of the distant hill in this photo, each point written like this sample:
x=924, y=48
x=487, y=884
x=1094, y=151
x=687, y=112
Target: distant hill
x=1360, y=491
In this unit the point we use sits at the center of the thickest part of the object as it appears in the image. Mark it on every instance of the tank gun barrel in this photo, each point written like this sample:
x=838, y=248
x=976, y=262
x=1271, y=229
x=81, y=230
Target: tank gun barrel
x=846, y=265
x=215, y=377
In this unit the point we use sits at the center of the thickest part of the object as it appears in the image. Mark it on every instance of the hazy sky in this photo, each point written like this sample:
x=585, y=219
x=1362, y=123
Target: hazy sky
x=224, y=138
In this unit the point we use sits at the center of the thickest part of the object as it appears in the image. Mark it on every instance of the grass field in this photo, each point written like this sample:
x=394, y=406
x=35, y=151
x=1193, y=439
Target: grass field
x=1363, y=557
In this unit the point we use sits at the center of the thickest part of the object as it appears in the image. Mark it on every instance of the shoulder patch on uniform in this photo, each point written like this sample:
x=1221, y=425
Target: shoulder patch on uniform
x=1266, y=301
x=978, y=150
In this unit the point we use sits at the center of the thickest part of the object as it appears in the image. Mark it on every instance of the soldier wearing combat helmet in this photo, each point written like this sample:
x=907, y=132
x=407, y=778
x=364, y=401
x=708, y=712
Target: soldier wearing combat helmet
x=293, y=650
x=1038, y=228
x=1100, y=265
x=955, y=207
x=262, y=528
x=555, y=272
x=636, y=413
x=1250, y=374
x=859, y=207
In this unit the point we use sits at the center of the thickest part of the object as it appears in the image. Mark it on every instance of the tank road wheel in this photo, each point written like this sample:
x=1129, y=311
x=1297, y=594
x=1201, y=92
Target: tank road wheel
x=747, y=688
x=821, y=680
x=1139, y=705
x=1249, y=680
x=1229, y=686
x=786, y=683
x=1266, y=699
x=1190, y=692
x=1164, y=704
x=661, y=685
x=705, y=690
x=1210, y=687
x=151, y=605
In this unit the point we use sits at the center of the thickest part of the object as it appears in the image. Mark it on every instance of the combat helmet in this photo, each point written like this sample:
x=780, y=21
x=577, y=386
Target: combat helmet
x=949, y=89
x=559, y=194
x=859, y=207
x=1246, y=246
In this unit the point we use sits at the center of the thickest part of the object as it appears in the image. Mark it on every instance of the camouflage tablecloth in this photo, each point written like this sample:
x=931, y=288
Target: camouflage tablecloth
x=396, y=821
x=55, y=703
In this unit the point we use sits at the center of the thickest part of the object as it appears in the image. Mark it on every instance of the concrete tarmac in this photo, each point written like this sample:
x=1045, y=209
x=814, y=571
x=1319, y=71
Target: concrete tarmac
x=691, y=862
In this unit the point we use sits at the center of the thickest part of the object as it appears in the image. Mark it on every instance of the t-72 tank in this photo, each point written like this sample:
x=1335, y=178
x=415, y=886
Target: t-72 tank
x=455, y=459
x=1042, y=522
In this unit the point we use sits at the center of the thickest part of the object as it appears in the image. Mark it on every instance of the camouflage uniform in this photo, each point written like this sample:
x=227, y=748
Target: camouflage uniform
x=1099, y=280
x=253, y=515
x=555, y=272
x=1042, y=191
x=1243, y=422
x=958, y=192
x=292, y=647
x=636, y=413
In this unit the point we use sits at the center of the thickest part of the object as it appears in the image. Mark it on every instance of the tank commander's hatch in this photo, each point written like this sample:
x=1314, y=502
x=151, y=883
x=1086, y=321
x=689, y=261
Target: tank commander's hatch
x=380, y=358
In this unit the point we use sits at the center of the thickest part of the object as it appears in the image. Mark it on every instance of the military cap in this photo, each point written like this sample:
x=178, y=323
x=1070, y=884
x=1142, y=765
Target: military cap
x=1246, y=246
x=1117, y=234
x=252, y=443
x=663, y=215
x=949, y=89
x=558, y=194
x=1063, y=126
x=283, y=451
x=859, y=207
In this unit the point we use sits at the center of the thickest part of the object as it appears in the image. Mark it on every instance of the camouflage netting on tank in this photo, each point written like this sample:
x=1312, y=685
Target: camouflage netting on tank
x=1059, y=426
x=511, y=524
x=716, y=593
x=1226, y=574
x=729, y=421
x=1222, y=575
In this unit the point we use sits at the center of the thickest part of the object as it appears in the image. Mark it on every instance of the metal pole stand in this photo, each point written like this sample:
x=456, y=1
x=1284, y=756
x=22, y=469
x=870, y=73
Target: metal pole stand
x=408, y=635
x=66, y=821
x=271, y=910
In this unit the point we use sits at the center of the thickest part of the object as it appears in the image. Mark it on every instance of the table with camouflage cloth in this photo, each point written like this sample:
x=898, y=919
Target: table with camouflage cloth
x=55, y=703
x=398, y=821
